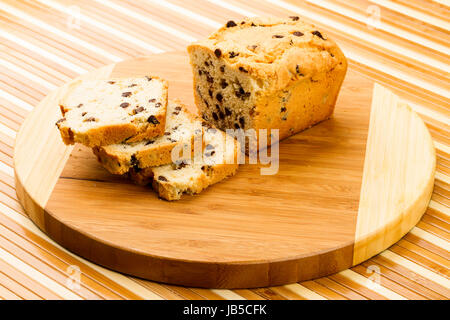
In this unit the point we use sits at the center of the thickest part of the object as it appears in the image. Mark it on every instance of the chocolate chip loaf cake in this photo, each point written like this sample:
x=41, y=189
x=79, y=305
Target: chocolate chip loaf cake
x=267, y=73
x=180, y=126
x=216, y=162
x=104, y=112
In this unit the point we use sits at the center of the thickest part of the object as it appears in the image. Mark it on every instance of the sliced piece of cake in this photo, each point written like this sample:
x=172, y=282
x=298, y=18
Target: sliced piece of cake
x=104, y=112
x=217, y=161
x=180, y=127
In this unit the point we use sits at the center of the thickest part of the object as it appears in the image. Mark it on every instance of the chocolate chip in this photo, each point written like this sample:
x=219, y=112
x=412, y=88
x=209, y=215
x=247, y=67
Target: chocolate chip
x=167, y=133
x=152, y=119
x=176, y=113
x=210, y=93
x=243, y=70
x=227, y=112
x=132, y=85
x=283, y=109
x=60, y=120
x=277, y=36
x=236, y=125
x=149, y=142
x=219, y=97
x=242, y=22
x=231, y=23
x=152, y=100
x=209, y=79
x=134, y=162
x=209, y=154
x=253, y=25
x=252, y=111
x=111, y=82
x=242, y=121
x=126, y=94
x=233, y=54
x=158, y=104
x=178, y=108
x=222, y=68
x=206, y=63
x=80, y=105
x=297, y=33
x=297, y=69
x=215, y=116
x=223, y=84
x=162, y=178
x=90, y=119
x=294, y=18
x=124, y=105
x=218, y=53
x=138, y=109
x=83, y=114
x=148, y=78
x=221, y=115
x=199, y=72
x=317, y=33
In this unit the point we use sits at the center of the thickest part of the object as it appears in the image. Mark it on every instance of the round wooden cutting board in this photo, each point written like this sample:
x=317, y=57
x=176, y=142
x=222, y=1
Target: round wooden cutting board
x=346, y=189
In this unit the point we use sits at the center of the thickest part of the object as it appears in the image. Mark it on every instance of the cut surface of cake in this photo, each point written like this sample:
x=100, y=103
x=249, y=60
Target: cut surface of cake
x=180, y=127
x=104, y=112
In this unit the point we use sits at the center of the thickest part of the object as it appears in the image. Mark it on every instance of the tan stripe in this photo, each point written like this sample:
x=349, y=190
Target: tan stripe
x=416, y=268
x=304, y=292
x=366, y=282
x=413, y=14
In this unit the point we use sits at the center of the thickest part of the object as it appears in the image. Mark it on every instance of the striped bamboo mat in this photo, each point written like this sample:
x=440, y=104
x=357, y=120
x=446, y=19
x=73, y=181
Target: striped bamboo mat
x=402, y=44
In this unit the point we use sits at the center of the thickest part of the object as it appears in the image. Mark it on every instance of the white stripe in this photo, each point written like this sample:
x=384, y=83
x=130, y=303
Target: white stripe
x=442, y=177
x=147, y=20
x=227, y=294
x=442, y=147
x=303, y=292
x=234, y=8
x=404, y=76
x=186, y=12
x=364, y=36
x=439, y=207
x=58, y=32
x=425, y=235
x=26, y=74
x=444, y=2
x=416, y=268
x=37, y=276
x=372, y=285
x=6, y=169
x=114, y=276
x=8, y=131
x=411, y=13
x=42, y=52
x=18, y=102
x=427, y=112
x=382, y=26
x=125, y=36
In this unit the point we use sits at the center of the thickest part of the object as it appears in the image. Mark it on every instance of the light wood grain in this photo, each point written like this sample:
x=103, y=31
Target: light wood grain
x=248, y=231
x=398, y=175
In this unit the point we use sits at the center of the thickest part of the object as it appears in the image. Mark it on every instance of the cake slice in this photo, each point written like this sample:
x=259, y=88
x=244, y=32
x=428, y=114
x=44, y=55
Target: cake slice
x=180, y=127
x=104, y=112
x=217, y=161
